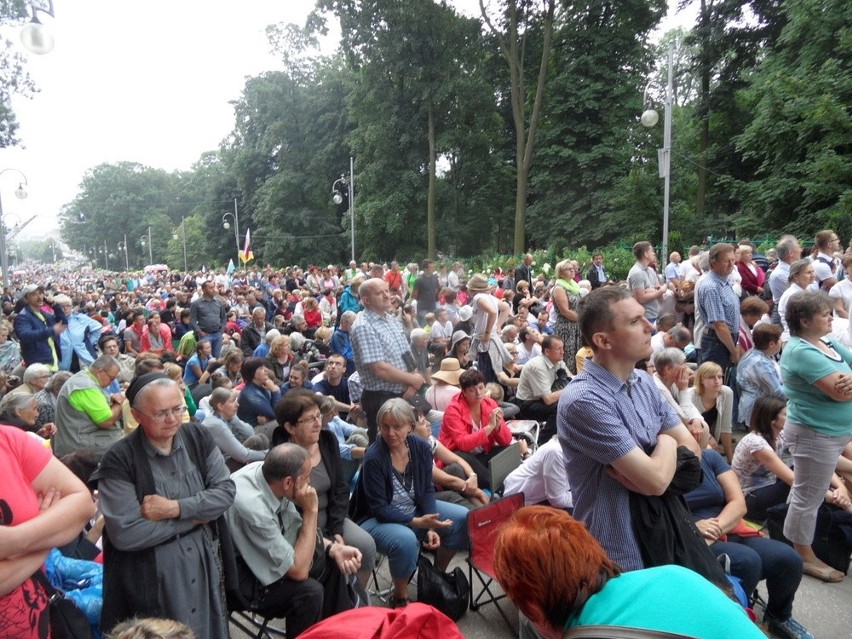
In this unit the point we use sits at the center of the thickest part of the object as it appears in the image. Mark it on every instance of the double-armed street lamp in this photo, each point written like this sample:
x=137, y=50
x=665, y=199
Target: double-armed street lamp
x=21, y=194
x=175, y=236
x=649, y=119
x=122, y=246
x=235, y=217
x=343, y=186
x=146, y=239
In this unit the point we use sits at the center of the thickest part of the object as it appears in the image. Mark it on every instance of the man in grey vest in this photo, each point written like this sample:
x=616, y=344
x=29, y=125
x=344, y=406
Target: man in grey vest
x=86, y=417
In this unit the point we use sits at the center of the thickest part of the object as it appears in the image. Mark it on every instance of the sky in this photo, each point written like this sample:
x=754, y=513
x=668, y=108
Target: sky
x=149, y=82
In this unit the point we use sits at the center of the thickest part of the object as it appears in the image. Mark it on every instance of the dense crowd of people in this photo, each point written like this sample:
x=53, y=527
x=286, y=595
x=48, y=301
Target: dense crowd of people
x=282, y=426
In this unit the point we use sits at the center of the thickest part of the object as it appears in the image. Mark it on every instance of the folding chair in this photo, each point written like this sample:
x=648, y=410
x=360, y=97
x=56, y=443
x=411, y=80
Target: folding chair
x=482, y=526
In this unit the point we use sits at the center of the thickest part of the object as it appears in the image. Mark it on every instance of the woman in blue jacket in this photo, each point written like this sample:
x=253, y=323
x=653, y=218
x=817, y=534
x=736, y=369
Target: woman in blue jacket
x=396, y=500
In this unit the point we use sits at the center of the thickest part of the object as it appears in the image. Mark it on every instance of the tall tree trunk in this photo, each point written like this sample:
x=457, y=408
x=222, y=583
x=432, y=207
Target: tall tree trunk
x=430, y=198
x=705, y=26
x=512, y=49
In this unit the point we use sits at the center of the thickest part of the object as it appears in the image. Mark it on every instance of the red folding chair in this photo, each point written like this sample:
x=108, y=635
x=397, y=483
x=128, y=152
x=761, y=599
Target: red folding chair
x=483, y=523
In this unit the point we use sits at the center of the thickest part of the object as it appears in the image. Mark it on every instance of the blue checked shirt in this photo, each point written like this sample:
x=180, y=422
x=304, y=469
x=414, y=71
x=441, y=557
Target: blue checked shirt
x=378, y=339
x=599, y=420
x=717, y=302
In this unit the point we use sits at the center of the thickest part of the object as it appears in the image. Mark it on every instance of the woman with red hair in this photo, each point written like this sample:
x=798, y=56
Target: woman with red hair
x=559, y=576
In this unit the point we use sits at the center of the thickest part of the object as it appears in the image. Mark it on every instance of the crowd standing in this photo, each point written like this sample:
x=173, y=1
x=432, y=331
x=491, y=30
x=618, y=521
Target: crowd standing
x=301, y=421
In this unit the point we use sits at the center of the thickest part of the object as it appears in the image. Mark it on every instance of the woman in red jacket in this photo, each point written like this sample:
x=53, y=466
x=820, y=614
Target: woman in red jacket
x=474, y=427
x=753, y=276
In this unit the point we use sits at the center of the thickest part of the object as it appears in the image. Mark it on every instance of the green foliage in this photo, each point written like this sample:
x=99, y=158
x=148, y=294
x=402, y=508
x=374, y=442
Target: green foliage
x=121, y=201
x=800, y=138
x=14, y=79
x=421, y=97
x=589, y=180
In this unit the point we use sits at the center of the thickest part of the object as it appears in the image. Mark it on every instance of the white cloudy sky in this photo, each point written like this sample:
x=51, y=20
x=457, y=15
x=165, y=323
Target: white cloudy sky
x=147, y=82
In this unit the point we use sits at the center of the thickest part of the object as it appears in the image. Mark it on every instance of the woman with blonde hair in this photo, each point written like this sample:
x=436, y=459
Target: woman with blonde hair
x=566, y=303
x=715, y=402
x=280, y=358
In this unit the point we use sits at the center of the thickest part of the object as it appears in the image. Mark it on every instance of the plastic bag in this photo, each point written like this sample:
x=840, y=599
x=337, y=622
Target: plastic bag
x=81, y=581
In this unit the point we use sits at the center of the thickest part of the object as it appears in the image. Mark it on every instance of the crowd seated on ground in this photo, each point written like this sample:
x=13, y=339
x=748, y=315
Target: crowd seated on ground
x=249, y=381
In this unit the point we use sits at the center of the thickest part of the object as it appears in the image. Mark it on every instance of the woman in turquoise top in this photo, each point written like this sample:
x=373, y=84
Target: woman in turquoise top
x=818, y=382
x=578, y=585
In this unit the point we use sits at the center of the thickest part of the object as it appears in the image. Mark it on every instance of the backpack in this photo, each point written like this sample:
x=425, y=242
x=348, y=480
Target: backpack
x=832, y=538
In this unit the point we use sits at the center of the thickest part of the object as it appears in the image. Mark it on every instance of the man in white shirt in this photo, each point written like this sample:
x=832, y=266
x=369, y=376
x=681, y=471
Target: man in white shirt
x=672, y=377
x=825, y=265
x=529, y=345
x=673, y=270
x=789, y=250
x=534, y=394
x=542, y=478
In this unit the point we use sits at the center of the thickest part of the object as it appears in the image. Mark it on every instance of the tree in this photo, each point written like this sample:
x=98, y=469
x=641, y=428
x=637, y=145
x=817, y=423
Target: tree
x=418, y=67
x=122, y=200
x=511, y=30
x=14, y=78
x=800, y=137
x=726, y=45
x=591, y=149
x=286, y=148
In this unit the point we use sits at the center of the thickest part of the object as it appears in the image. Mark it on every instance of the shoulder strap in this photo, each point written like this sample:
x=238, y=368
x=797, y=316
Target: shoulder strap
x=619, y=632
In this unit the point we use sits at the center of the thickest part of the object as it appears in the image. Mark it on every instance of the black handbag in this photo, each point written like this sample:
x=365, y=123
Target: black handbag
x=446, y=591
x=67, y=621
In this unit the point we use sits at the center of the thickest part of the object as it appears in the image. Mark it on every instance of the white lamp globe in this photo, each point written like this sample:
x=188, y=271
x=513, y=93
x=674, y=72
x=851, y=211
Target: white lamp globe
x=37, y=38
x=649, y=118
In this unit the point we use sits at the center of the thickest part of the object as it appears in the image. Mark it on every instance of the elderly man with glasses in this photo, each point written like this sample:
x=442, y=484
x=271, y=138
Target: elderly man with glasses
x=87, y=417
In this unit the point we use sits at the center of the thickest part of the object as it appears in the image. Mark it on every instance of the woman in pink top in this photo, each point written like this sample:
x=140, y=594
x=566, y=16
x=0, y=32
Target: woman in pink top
x=474, y=427
x=445, y=384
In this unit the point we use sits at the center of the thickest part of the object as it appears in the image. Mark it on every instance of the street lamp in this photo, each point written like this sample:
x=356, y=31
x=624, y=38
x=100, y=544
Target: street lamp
x=21, y=194
x=650, y=118
x=175, y=236
x=143, y=240
x=122, y=246
x=235, y=216
x=340, y=186
x=35, y=36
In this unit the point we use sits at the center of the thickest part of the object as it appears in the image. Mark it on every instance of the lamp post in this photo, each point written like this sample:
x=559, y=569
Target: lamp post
x=664, y=156
x=226, y=225
x=21, y=194
x=147, y=239
x=35, y=36
x=122, y=246
x=175, y=236
x=340, y=186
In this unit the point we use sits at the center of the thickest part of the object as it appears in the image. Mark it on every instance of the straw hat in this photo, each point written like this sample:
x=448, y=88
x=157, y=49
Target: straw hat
x=478, y=283
x=450, y=371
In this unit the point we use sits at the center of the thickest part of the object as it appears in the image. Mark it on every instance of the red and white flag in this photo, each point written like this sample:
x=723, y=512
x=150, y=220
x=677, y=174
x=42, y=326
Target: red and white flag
x=246, y=254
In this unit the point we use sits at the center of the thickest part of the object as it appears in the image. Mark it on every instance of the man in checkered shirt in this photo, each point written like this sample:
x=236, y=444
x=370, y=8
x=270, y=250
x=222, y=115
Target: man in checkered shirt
x=382, y=353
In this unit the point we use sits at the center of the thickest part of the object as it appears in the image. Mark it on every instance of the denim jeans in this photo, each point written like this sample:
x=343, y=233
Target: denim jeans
x=215, y=340
x=758, y=501
x=713, y=350
x=400, y=543
x=756, y=558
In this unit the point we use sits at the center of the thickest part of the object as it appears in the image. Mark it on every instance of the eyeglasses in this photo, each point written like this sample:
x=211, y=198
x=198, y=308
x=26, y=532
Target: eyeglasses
x=396, y=427
x=162, y=415
x=316, y=417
